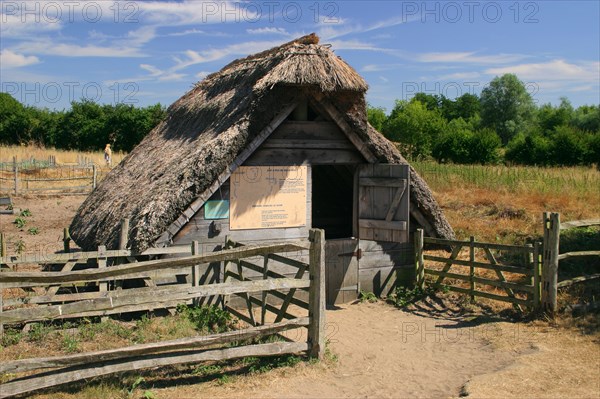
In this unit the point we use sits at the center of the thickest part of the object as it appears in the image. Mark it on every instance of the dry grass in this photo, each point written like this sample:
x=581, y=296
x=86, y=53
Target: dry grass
x=40, y=154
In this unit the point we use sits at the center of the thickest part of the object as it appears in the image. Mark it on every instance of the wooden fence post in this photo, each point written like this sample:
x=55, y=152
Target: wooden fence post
x=102, y=286
x=316, y=303
x=195, y=270
x=66, y=240
x=2, y=245
x=472, y=267
x=550, y=262
x=16, y=170
x=94, y=176
x=124, y=236
x=419, y=261
x=537, y=303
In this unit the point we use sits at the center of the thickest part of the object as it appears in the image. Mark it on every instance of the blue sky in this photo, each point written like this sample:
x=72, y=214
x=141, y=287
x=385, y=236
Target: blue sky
x=144, y=52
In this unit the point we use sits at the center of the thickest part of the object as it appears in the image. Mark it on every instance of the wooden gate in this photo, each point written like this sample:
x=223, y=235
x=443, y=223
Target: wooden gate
x=341, y=265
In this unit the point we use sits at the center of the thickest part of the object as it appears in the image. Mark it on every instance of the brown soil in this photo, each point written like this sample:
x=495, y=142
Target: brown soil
x=49, y=214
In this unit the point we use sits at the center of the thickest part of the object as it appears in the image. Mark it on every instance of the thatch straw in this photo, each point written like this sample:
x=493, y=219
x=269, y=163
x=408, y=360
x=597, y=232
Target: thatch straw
x=209, y=126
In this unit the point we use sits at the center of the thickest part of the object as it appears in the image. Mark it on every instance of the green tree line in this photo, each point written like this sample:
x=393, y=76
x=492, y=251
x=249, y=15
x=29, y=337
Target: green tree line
x=86, y=126
x=503, y=124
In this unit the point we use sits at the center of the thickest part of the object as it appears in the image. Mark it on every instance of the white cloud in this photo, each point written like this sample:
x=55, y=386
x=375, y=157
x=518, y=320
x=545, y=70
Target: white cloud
x=187, y=32
x=459, y=76
x=47, y=47
x=194, y=12
x=12, y=25
x=268, y=31
x=200, y=57
x=381, y=67
x=553, y=70
x=10, y=59
x=467, y=58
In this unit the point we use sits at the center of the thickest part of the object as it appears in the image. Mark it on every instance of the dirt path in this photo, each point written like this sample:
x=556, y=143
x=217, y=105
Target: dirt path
x=382, y=352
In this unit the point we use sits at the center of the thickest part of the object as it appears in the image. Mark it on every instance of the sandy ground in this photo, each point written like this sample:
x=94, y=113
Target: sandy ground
x=430, y=351
x=49, y=214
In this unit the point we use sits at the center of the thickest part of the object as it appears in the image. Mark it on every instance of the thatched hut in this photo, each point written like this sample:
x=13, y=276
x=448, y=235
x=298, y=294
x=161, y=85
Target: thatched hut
x=268, y=147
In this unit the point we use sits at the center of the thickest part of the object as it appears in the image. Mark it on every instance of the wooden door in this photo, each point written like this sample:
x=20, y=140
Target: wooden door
x=383, y=202
x=341, y=265
x=387, y=256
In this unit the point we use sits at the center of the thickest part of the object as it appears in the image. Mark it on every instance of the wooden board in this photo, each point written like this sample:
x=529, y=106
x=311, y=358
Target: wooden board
x=383, y=202
x=341, y=269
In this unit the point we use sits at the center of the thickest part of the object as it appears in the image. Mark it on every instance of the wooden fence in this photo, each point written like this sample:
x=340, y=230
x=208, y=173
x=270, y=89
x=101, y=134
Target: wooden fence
x=533, y=279
x=552, y=257
x=518, y=282
x=100, y=301
x=52, y=179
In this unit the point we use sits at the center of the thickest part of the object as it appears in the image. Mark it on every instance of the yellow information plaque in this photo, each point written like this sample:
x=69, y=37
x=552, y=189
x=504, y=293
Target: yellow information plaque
x=266, y=197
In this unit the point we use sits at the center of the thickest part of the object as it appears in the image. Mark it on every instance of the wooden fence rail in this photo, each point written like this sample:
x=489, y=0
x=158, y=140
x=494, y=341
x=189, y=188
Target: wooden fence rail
x=189, y=350
x=520, y=291
x=552, y=257
x=20, y=180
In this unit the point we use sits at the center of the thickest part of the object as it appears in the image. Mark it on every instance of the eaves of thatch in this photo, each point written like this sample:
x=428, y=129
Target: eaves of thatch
x=189, y=153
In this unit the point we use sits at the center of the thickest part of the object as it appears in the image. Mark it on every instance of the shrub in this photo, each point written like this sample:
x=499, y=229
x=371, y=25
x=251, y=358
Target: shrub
x=208, y=318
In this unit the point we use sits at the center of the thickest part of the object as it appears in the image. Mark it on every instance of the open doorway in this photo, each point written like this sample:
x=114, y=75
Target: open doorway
x=333, y=199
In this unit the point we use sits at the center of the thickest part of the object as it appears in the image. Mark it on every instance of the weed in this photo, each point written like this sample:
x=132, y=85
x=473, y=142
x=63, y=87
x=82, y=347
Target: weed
x=11, y=337
x=207, y=369
x=131, y=389
x=148, y=395
x=88, y=330
x=20, y=222
x=39, y=332
x=33, y=231
x=25, y=213
x=403, y=296
x=224, y=379
x=207, y=318
x=366, y=296
x=70, y=343
x=20, y=247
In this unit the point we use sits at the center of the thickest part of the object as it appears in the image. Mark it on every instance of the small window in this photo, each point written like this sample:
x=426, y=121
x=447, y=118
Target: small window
x=216, y=209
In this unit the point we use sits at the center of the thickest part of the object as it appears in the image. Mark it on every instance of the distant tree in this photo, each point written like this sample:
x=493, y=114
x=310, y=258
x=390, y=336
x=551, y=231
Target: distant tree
x=587, y=118
x=15, y=121
x=376, y=117
x=414, y=126
x=532, y=149
x=431, y=101
x=506, y=106
x=466, y=106
x=569, y=147
x=549, y=117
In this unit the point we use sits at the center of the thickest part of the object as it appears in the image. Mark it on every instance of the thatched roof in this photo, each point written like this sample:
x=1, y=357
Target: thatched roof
x=207, y=128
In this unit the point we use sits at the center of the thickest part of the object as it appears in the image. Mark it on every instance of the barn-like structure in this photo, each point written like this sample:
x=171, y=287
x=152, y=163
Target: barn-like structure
x=265, y=149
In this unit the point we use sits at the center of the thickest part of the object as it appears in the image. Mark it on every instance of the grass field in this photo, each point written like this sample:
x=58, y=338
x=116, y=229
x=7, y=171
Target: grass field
x=26, y=153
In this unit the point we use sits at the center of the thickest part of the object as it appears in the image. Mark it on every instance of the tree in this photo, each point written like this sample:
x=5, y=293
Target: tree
x=376, y=117
x=14, y=121
x=415, y=127
x=506, y=106
x=550, y=117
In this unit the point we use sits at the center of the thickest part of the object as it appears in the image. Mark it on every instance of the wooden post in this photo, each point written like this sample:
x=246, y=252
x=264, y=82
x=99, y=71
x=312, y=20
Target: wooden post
x=263, y=310
x=66, y=240
x=316, y=303
x=472, y=266
x=2, y=245
x=124, y=236
x=537, y=303
x=16, y=170
x=195, y=270
x=94, y=176
x=419, y=261
x=101, y=260
x=550, y=261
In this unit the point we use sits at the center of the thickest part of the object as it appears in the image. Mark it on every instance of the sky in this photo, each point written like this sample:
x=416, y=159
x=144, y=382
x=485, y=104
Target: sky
x=148, y=52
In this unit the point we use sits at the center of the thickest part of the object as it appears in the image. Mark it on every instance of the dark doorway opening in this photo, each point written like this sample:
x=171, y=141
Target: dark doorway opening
x=333, y=199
